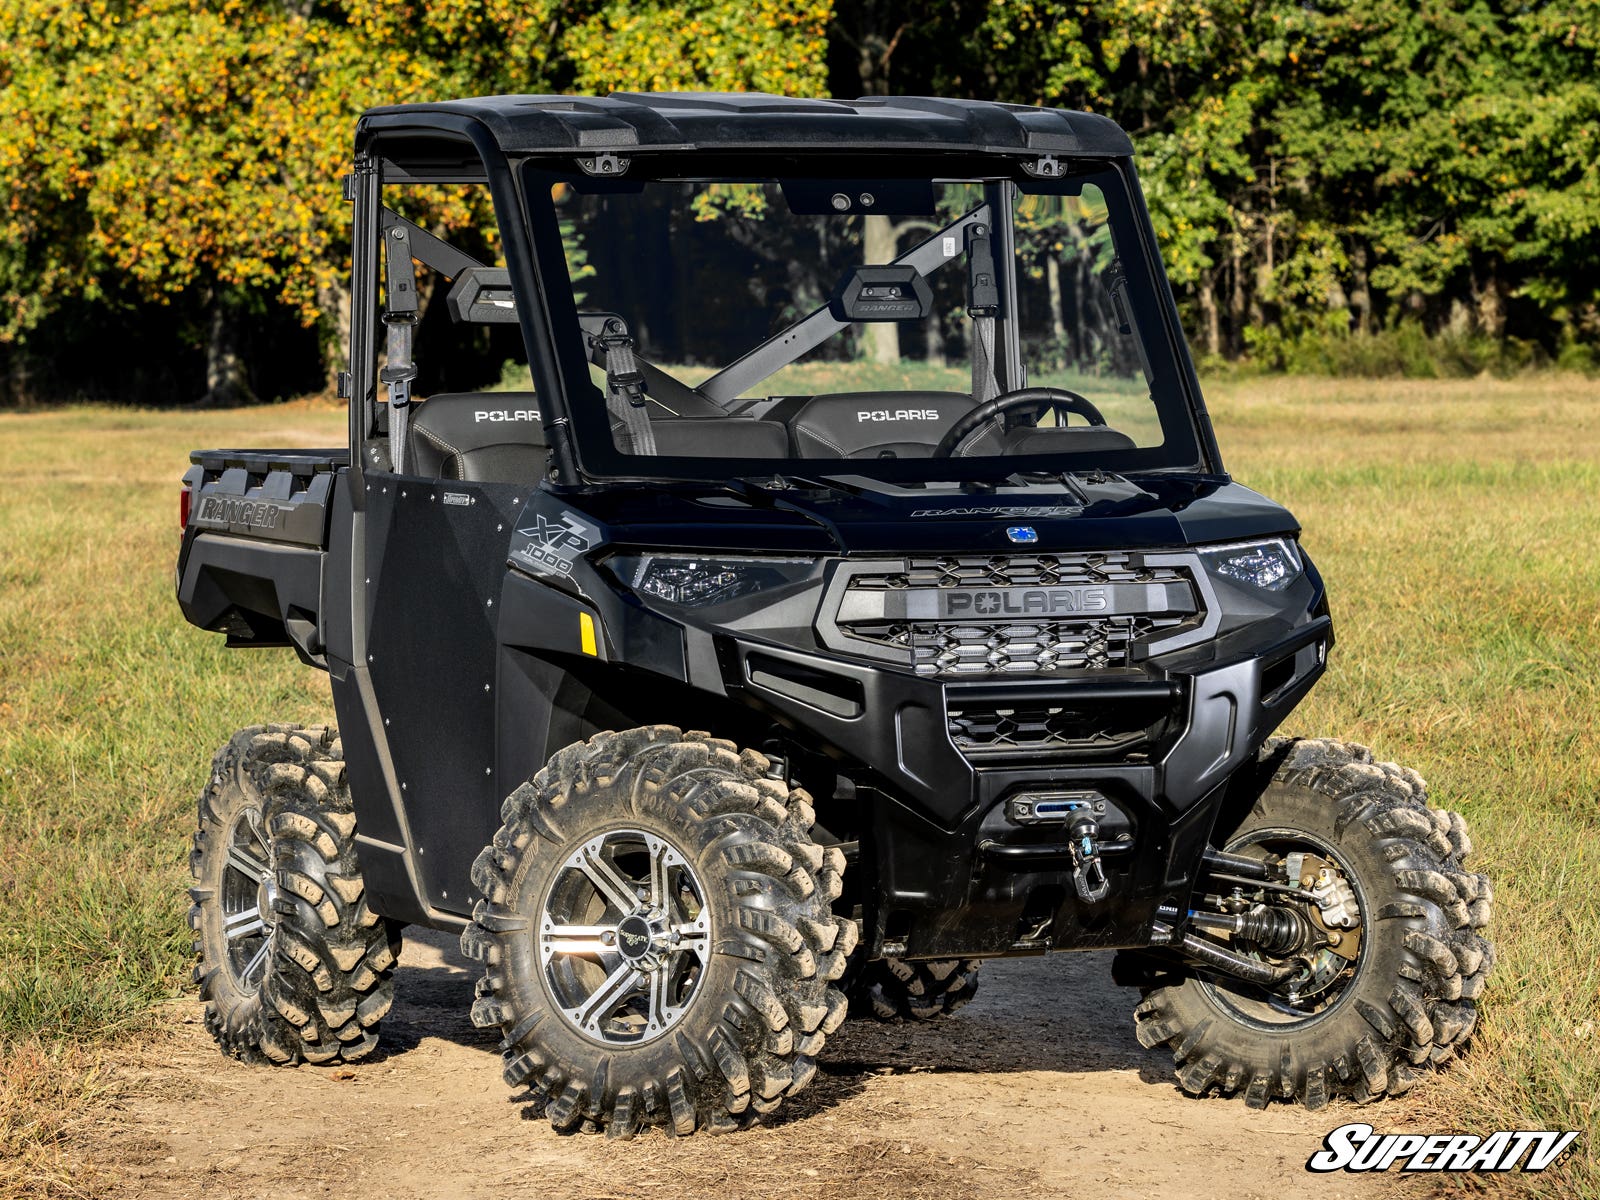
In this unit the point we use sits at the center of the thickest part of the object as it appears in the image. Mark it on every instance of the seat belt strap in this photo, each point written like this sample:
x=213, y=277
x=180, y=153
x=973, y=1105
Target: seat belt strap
x=983, y=305
x=399, y=324
x=625, y=388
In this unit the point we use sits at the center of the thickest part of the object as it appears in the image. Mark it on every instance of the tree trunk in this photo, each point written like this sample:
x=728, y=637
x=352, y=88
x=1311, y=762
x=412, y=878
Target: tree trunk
x=334, y=302
x=19, y=385
x=1491, y=303
x=1058, y=318
x=1210, y=325
x=1361, y=291
x=1236, y=305
x=227, y=384
x=882, y=336
x=933, y=333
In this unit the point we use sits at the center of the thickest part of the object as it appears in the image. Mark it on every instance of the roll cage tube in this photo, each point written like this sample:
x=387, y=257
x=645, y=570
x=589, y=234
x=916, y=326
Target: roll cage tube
x=810, y=331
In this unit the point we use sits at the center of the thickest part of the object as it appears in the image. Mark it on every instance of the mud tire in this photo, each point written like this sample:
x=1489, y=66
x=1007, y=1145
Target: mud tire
x=893, y=989
x=326, y=983
x=1413, y=1002
x=768, y=998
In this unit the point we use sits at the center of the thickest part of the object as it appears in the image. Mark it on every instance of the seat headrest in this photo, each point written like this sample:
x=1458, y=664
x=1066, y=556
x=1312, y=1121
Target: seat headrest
x=482, y=436
x=865, y=424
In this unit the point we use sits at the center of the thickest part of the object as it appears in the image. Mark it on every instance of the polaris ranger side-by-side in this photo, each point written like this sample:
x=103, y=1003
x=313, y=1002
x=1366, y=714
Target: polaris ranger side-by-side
x=850, y=591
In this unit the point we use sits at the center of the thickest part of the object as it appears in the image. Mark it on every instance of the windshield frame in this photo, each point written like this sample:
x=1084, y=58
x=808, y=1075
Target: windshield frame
x=1187, y=445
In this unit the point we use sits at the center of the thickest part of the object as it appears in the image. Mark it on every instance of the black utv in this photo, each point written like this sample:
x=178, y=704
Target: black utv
x=841, y=586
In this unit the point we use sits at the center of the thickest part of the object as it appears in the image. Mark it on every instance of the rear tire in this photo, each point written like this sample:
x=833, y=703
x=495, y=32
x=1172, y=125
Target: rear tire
x=697, y=985
x=293, y=964
x=892, y=989
x=1410, y=1002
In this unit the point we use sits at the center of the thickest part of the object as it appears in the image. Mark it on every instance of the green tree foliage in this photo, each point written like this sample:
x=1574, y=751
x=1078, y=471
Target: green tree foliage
x=1320, y=174
x=1348, y=167
x=189, y=151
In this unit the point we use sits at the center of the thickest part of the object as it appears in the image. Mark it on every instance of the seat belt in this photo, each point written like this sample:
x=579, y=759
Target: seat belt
x=399, y=324
x=983, y=305
x=625, y=388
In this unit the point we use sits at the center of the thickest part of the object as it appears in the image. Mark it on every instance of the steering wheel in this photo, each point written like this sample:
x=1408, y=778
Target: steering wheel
x=968, y=427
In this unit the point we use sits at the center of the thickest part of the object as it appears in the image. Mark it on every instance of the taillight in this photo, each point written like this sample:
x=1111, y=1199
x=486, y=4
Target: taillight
x=183, y=509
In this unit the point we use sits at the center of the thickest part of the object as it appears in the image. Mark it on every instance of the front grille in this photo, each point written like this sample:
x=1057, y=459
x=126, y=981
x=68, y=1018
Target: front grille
x=971, y=617
x=1015, y=570
x=1027, y=728
x=937, y=648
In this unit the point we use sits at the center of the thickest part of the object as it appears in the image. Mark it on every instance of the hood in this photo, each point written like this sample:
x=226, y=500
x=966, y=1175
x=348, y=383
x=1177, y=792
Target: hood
x=857, y=516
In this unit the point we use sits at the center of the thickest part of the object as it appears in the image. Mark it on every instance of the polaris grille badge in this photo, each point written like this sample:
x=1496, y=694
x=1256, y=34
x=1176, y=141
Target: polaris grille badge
x=1023, y=535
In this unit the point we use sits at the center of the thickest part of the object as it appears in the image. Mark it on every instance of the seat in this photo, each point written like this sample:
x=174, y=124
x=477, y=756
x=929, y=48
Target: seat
x=479, y=437
x=882, y=425
x=713, y=437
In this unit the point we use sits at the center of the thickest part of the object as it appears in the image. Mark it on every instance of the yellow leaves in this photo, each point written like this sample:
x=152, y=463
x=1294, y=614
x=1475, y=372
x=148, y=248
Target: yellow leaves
x=180, y=139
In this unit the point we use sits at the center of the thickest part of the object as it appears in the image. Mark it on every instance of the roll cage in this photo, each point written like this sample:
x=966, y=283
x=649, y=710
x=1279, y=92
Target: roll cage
x=485, y=142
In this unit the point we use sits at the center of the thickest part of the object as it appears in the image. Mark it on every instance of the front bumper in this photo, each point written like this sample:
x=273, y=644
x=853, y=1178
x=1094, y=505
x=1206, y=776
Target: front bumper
x=952, y=873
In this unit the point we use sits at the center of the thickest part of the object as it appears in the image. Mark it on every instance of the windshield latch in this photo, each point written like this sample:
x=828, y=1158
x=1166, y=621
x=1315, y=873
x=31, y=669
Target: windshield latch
x=605, y=164
x=1047, y=166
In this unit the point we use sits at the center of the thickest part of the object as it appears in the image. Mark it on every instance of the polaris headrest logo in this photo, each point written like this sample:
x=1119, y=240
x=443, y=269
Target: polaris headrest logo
x=506, y=414
x=898, y=414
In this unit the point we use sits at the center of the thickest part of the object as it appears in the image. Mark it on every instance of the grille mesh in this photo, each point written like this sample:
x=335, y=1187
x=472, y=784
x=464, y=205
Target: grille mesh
x=1019, y=570
x=979, y=729
x=942, y=648
x=968, y=649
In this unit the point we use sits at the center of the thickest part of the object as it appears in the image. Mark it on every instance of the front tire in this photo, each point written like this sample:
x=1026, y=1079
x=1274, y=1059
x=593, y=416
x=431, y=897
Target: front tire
x=657, y=937
x=293, y=964
x=1407, y=1002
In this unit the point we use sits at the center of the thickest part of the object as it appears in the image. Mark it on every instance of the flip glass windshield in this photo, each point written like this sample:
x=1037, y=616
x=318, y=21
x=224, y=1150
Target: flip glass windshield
x=906, y=328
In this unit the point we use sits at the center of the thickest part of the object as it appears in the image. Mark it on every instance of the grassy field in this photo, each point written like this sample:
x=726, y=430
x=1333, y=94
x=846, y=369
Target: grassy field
x=1458, y=526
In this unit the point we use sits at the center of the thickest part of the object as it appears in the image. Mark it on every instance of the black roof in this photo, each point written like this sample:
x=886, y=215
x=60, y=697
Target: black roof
x=625, y=122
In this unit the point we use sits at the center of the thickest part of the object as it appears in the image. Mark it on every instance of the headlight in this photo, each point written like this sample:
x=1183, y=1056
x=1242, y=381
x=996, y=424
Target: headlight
x=1271, y=565
x=694, y=581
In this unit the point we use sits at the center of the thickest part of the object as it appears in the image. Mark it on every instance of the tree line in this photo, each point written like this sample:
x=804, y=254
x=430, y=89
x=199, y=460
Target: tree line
x=1371, y=185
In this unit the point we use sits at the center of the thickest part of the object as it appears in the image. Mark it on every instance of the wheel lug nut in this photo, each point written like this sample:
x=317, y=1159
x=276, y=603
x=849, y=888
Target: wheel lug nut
x=608, y=938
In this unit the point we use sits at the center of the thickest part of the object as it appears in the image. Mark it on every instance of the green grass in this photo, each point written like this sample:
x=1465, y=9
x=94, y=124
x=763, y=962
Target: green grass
x=1456, y=524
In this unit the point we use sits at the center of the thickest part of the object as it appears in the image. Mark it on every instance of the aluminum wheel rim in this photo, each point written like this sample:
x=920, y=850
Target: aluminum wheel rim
x=624, y=937
x=248, y=892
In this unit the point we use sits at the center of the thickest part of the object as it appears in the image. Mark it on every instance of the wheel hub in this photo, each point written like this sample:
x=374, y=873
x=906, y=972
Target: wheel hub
x=641, y=938
x=1323, y=931
x=624, y=937
x=267, y=901
x=249, y=895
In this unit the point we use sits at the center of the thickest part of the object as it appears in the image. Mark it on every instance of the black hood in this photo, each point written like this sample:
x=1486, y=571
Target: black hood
x=862, y=517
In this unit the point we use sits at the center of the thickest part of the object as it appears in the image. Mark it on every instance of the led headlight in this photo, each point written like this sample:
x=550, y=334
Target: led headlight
x=1271, y=565
x=697, y=580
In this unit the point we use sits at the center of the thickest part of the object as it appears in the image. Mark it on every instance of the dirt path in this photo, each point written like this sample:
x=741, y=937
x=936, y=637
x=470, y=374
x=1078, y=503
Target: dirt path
x=1036, y=1089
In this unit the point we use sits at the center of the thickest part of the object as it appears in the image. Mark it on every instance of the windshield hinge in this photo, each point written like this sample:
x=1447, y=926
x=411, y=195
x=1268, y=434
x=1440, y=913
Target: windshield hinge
x=347, y=185
x=1045, y=167
x=605, y=164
